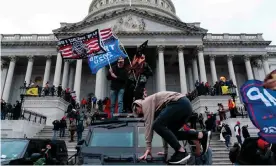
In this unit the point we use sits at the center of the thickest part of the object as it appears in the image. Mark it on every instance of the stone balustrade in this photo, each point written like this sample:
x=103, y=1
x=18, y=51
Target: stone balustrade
x=227, y=37
x=28, y=37
x=271, y=48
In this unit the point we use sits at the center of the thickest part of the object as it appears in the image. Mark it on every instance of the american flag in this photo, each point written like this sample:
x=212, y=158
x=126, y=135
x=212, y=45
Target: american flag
x=82, y=46
x=106, y=34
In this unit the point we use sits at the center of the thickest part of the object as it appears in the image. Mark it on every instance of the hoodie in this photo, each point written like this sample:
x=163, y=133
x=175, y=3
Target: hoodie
x=152, y=104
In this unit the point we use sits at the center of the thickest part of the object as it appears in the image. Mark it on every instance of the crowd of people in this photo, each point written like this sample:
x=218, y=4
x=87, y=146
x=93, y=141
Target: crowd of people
x=9, y=111
x=202, y=88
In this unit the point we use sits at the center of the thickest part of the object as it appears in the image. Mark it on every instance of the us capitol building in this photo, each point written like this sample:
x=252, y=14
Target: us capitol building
x=179, y=53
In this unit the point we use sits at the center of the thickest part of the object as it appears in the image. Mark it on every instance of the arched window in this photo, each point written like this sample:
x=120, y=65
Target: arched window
x=101, y=3
x=162, y=3
x=156, y=1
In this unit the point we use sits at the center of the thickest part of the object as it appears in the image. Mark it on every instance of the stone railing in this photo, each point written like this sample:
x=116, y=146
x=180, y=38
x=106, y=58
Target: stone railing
x=271, y=48
x=231, y=37
x=28, y=37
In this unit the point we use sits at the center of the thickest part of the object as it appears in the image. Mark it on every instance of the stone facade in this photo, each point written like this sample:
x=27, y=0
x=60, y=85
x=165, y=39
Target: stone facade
x=179, y=53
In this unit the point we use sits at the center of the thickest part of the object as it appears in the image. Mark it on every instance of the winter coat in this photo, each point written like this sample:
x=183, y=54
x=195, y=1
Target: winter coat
x=73, y=126
x=56, y=124
x=245, y=132
x=63, y=124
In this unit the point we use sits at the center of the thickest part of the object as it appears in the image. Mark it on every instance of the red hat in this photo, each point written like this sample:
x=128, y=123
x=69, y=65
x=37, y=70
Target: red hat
x=262, y=144
x=208, y=116
x=238, y=122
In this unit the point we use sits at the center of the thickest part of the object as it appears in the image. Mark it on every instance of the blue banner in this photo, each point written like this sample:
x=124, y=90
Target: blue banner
x=261, y=107
x=113, y=52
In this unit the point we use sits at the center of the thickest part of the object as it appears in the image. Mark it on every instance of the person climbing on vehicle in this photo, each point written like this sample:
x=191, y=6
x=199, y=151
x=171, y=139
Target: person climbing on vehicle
x=165, y=113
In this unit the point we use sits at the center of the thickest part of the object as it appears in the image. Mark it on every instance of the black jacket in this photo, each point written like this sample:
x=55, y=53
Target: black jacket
x=245, y=132
x=119, y=82
x=63, y=124
x=56, y=125
x=227, y=131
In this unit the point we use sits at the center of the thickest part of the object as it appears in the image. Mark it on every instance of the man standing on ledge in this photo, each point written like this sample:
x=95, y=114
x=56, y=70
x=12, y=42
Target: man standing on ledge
x=118, y=76
x=165, y=113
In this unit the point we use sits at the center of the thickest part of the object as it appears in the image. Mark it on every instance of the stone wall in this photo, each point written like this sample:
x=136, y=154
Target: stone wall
x=19, y=128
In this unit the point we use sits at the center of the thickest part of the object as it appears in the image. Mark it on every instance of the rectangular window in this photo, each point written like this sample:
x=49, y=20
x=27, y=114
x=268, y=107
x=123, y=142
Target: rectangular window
x=119, y=137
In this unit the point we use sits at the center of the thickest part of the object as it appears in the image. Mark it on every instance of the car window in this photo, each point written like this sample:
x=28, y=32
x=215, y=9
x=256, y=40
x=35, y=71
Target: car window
x=119, y=137
x=12, y=149
x=156, y=141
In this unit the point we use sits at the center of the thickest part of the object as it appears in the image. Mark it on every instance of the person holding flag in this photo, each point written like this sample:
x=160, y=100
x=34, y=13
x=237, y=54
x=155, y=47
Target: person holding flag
x=118, y=76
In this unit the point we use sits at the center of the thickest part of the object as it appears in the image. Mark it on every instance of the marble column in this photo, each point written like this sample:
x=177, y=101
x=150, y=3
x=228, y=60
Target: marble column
x=182, y=71
x=190, y=78
x=47, y=70
x=65, y=74
x=56, y=81
x=77, y=84
x=100, y=80
x=8, y=83
x=195, y=70
x=248, y=67
x=4, y=72
x=231, y=69
x=203, y=77
x=213, y=69
x=29, y=69
x=71, y=77
x=265, y=63
x=157, y=75
x=258, y=70
x=161, y=68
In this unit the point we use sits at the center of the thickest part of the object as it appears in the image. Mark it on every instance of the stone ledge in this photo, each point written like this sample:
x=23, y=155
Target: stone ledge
x=51, y=107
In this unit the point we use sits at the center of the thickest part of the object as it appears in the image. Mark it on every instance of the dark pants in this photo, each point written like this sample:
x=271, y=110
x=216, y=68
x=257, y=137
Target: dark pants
x=61, y=132
x=171, y=119
x=72, y=133
x=79, y=136
x=239, y=139
x=202, y=126
x=227, y=140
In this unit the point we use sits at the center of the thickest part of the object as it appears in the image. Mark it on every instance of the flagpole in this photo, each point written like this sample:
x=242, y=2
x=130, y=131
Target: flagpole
x=126, y=54
x=129, y=2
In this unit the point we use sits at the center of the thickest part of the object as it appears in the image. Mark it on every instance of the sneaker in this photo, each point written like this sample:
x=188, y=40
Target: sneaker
x=205, y=141
x=179, y=157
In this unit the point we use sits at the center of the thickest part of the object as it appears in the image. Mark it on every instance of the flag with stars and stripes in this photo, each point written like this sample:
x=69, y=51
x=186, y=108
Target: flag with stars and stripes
x=81, y=47
x=106, y=35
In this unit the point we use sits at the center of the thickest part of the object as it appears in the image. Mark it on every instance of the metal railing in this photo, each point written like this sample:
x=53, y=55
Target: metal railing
x=33, y=117
x=42, y=91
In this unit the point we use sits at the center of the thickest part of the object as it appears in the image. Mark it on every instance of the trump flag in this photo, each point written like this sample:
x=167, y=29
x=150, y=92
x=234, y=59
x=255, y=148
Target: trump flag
x=113, y=52
x=261, y=107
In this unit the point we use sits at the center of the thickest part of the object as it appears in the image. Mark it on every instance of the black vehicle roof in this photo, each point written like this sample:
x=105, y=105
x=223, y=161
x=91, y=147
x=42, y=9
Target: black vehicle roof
x=30, y=139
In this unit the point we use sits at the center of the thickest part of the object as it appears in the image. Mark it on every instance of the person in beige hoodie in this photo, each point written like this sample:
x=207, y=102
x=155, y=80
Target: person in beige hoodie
x=165, y=113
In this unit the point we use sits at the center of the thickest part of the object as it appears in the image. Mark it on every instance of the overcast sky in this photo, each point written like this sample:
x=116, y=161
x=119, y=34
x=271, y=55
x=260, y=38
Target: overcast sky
x=218, y=16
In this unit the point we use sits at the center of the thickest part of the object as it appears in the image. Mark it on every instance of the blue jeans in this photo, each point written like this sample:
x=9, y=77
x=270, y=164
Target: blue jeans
x=114, y=95
x=79, y=136
x=239, y=139
x=227, y=140
x=55, y=134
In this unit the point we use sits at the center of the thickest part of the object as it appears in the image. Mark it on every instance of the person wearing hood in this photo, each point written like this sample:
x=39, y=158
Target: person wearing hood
x=245, y=132
x=165, y=113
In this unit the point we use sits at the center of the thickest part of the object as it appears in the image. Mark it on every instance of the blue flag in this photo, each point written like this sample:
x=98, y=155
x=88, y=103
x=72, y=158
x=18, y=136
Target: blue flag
x=113, y=52
x=261, y=107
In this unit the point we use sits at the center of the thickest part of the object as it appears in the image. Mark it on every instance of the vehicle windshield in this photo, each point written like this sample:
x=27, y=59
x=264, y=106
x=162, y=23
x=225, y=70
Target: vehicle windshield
x=156, y=141
x=11, y=149
x=119, y=137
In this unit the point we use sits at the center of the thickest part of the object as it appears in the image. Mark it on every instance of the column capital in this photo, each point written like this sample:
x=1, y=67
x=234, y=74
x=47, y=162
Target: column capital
x=212, y=57
x=4, y=64
x=200, y=48
x=30, y=58
x=160, y=48
x=246, y=58
x=264, y=57
x=48, y=57
x=230, y=57
x=12, y=58
x=180, y=48
x=257, y=63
